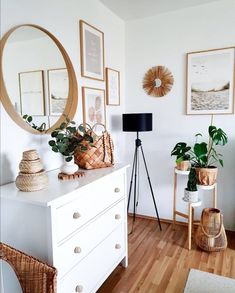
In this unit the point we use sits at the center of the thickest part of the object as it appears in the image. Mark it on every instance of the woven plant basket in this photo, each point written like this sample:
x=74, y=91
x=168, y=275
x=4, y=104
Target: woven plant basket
x=32, y=182
x=34, y=276
x=30, y=155
x=30, y=166
x=183, y=166
x=210, y=234
x=98, y=156
x=207, y=176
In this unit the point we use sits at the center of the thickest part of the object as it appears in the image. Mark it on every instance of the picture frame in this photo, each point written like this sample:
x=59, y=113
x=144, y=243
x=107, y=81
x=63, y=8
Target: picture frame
x=93, y=103
x=112, y=87
x=32, y=98
x=58, y=88
x=210, y=82
x=92, y=51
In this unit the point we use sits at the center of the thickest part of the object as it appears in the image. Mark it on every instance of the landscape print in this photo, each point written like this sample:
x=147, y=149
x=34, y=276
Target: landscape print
x=210, y=82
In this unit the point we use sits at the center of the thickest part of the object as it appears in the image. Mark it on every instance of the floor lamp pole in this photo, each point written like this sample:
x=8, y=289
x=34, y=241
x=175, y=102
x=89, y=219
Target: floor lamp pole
x=135, y=175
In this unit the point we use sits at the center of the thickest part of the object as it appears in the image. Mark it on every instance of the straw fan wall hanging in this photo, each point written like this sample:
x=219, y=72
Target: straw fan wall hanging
x=158, y=81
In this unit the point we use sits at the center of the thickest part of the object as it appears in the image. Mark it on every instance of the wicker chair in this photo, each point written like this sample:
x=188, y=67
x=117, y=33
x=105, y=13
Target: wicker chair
x=34, y=276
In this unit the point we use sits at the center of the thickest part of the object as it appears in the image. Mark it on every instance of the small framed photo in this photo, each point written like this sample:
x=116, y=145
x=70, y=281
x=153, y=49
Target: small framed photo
x=112, y=87
x=93, y=102
x=58, y=88
x=31, y=87
x=92, y=51
x=210, y=81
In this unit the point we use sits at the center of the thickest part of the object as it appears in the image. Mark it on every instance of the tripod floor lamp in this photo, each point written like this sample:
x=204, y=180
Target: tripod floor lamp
x=138, y=122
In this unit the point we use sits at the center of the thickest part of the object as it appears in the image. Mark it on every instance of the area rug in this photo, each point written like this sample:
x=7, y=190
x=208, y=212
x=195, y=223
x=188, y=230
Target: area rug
x=202, y=282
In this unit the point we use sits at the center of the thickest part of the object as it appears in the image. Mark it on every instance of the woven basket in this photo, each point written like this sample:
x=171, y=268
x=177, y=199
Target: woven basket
x=98, y=156
x=206, y=176
x=32, y=182
x=30, y=155
x=30, y=166
x=34, y=276
x=211, y=235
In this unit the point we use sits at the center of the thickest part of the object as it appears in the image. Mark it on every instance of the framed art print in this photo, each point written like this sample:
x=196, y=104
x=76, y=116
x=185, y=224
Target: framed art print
x=58, y=88
x=112, y=87
x=32, y=93
x=93, y=102
x=210, y=81
x=92, y=51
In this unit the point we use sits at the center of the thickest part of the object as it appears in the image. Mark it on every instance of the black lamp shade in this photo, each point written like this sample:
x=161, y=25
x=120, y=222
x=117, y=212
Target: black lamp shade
x=136, y=122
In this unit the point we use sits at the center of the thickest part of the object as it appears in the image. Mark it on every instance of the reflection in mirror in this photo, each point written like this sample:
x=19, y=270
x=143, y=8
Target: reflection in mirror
x=35, y=75
x=9, y=281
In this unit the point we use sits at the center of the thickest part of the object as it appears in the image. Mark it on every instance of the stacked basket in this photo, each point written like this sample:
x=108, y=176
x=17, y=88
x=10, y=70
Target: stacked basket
x=32, y=176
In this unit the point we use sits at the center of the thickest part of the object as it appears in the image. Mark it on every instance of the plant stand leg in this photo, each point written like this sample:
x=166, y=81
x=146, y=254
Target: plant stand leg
x=215, y=196
x=189, y=225
x=174, y=199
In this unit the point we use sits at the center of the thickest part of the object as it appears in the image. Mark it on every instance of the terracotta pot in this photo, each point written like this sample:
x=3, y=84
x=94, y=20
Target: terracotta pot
x=183, y=166
x=207, y=176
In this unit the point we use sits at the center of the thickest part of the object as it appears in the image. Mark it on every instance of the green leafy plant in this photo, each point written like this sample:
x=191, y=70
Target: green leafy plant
x=205, y=154
x=181, y=151
x=202, y=154
x=66, y=139
x=29, y=120
x=192, y=180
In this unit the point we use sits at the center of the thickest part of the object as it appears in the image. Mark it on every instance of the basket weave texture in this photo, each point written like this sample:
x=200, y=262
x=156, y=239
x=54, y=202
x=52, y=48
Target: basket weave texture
x=34, y=276
x=98, y=156
x=32, y=182
x=33, y=166
x=210, y=234
x=30, y=155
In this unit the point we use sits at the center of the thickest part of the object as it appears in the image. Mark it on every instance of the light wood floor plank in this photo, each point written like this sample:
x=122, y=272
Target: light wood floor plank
x=159, y=261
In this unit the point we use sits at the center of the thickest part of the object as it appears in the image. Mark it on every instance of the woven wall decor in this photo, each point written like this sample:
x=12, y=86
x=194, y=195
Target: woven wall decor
x=158, y=81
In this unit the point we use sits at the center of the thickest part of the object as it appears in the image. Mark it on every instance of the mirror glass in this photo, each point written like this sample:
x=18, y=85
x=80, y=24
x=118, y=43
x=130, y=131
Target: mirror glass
x=35, y=76
x=9, y=282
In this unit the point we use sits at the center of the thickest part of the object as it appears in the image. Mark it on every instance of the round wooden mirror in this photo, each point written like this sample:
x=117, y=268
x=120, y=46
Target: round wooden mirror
x=38, y=83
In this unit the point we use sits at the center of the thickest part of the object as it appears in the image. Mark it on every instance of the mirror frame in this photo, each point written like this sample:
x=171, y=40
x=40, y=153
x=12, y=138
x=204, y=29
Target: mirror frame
x=71, y=105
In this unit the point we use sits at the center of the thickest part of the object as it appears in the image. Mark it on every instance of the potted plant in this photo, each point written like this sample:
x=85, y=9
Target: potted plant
x=204, y=155
x=191, y=192
x=181, y=151
x=66, y=140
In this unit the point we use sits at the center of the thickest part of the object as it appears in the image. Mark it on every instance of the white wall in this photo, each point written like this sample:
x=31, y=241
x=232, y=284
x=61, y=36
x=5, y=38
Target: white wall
x=61, y=18
x=164, y=40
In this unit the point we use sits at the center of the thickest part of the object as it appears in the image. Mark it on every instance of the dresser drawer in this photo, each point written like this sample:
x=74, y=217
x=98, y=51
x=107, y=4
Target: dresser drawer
x=92, y=269
x=91, y=200
x=75, y=249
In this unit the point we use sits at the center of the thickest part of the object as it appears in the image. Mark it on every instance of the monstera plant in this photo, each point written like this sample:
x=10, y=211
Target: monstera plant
x=204, y=156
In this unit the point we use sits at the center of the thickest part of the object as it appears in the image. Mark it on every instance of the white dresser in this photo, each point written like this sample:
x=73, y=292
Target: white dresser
x=79, y=226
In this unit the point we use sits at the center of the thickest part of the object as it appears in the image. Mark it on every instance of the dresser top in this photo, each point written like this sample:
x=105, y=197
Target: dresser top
x=58, y=191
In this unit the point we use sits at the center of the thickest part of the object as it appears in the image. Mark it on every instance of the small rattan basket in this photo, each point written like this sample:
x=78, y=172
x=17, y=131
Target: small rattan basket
x=30, y=166
x=30, y=155
x=32, y=182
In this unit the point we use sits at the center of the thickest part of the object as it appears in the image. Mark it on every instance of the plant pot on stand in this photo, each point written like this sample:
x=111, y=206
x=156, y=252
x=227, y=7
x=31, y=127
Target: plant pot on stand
x=191, y=192
x=207, y=176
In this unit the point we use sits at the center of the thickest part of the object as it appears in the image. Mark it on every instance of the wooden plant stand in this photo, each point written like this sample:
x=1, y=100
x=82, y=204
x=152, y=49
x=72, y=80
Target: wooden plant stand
x=191, y=206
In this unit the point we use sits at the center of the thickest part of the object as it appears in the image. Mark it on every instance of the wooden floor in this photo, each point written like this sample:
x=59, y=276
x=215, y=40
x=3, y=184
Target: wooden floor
x=159, y=261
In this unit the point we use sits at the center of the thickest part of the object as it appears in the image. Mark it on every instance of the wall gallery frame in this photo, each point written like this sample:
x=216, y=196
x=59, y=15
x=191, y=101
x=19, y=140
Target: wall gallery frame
x=31, y=87
x=93, y=102
x=112, y=87
x=92, y=51
x=210, y=81
x=58, y=88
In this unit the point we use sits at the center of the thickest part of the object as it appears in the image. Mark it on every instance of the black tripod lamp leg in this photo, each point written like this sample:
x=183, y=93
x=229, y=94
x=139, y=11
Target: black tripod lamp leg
x=131, y=182
x=150, y=185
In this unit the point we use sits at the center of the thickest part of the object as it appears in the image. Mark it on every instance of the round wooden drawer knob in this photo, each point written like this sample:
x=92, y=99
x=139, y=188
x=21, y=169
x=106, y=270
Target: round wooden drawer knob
x=76, y=215
x=117, y=217
x=77, y=250
x=118, y=246
x=117, y=190
x=79, y=288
